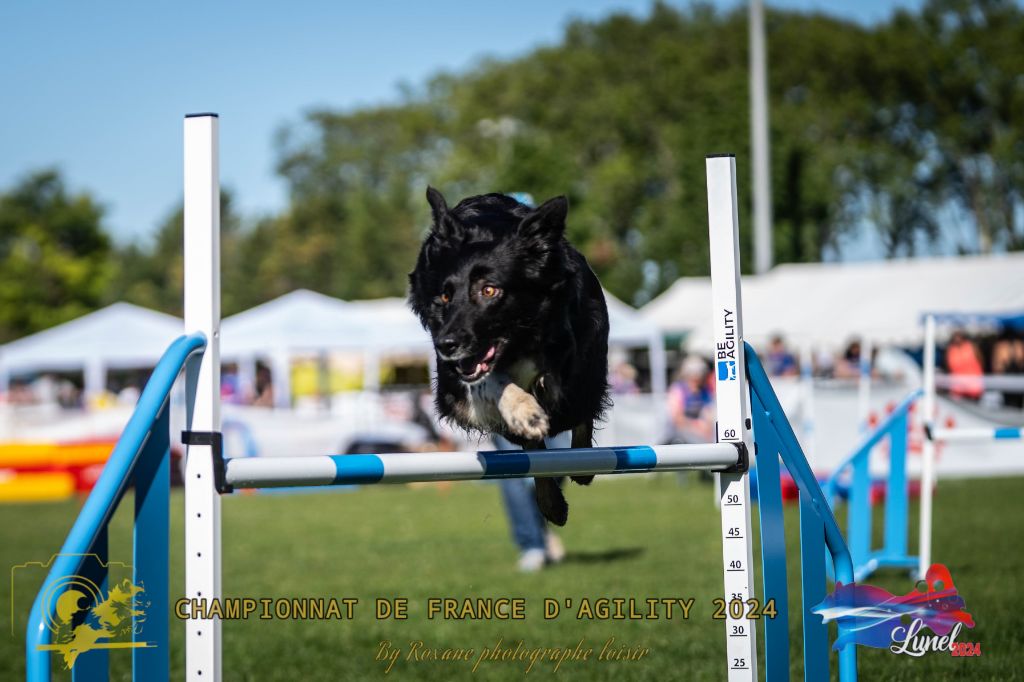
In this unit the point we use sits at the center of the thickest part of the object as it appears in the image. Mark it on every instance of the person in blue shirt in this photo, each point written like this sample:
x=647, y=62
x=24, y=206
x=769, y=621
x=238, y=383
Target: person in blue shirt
x=779, y=361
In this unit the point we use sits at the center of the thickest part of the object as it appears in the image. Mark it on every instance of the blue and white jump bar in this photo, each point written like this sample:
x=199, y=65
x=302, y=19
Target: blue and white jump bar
x=978, y=434
x=408, y=467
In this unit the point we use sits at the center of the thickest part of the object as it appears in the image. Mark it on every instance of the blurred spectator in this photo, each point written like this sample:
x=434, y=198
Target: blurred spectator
x=129, y=395
x=824, y=364
x=780, y=362
x=69, y=396
x=964, y=364
x=623, y=379
x=230, y=391
x=264, y=388
x=848, y=365
x=1008, y=358
x=691, y=403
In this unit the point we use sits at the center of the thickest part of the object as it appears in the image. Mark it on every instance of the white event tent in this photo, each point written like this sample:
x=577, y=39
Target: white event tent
x=299, y=323
x=306, y=322
x=827, y=304
x=120, y=336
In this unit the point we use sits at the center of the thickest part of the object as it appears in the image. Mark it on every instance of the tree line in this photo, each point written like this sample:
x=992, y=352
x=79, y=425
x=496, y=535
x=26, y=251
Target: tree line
x=912, y=128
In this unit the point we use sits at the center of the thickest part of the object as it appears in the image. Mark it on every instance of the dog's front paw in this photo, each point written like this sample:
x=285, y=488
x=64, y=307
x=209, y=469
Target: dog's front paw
x=522, y=413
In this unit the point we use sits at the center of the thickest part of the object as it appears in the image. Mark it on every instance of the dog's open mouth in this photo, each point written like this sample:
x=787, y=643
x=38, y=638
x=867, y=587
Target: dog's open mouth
x=474, y=368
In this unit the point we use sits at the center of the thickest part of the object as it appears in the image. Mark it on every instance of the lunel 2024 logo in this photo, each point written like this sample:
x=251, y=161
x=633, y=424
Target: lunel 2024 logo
x=919, y=622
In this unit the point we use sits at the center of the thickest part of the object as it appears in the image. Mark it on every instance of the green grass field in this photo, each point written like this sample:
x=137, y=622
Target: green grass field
x=643, y=537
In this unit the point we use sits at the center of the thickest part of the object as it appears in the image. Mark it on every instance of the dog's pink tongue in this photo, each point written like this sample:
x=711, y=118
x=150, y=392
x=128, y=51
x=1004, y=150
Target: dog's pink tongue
x=482, y=366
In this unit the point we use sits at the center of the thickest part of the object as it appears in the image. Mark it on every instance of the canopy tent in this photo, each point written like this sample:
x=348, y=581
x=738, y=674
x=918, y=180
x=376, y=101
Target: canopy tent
x=1009, y=319
x=397, y=327
x=120, y=336
x=830, y=303
x=627, y=328
x=302, y=320
x=305, y=322
x=299, y=322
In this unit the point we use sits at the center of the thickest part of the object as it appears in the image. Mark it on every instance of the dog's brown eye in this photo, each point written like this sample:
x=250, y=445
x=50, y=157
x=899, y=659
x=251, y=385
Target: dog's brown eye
x=489, y=292
x=445, y=298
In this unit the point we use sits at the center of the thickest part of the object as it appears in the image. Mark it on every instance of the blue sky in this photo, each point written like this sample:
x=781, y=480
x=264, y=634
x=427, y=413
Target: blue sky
x=98, y=89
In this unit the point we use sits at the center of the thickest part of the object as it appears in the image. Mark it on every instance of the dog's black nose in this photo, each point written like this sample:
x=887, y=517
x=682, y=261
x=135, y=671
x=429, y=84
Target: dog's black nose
x=448, y=344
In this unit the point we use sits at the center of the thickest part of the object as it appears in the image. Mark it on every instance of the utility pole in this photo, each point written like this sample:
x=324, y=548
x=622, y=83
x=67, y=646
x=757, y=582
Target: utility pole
x=759, y=134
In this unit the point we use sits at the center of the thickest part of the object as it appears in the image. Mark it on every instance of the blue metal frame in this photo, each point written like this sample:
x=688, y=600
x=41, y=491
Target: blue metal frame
x=894, y=552
x=142, y=457
x=774, y=438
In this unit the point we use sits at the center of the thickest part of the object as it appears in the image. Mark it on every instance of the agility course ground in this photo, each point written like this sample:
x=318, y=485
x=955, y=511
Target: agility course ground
x=625, y=541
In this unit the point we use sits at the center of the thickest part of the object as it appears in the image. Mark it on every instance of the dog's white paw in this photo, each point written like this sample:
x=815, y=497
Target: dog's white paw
x=522, y=413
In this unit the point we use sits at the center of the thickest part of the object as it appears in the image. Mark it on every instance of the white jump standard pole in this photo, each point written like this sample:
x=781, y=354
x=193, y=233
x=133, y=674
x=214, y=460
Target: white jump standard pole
x=202, y=314
x=732, y=399
x=924, y=550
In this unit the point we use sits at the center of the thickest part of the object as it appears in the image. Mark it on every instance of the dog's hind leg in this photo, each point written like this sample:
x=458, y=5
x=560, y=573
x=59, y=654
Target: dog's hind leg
x=583, y=437
x=548, y=493
x=551, y=501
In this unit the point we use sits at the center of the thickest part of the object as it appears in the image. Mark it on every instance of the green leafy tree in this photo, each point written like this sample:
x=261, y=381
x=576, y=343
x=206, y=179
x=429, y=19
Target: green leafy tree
x=152, y=275
x=899, y=126
x=54, y=255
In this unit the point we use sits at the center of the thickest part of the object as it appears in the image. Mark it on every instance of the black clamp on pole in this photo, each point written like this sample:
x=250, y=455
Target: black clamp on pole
x=216, y=442
x=742, y=464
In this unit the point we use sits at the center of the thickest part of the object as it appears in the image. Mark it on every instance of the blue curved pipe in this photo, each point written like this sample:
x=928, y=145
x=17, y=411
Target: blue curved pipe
x=103, y=500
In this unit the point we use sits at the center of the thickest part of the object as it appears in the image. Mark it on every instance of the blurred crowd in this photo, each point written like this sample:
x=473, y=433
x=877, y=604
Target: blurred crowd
x=968, y=360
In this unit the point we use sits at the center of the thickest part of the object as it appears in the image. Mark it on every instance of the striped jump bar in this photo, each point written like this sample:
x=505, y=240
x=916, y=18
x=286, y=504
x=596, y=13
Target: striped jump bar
x=978, y=434
x=406, y=467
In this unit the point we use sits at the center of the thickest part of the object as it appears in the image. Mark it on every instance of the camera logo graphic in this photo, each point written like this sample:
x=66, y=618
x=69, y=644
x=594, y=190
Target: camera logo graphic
x=81, y=616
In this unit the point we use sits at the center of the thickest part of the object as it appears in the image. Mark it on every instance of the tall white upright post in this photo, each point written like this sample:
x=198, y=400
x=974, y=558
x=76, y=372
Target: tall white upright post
x=732, y=399
x=924, y=552
x=761, y=165
x=202, y=313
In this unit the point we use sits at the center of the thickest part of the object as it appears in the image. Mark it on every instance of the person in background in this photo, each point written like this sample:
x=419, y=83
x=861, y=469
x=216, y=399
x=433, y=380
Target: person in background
x=264, y=388
x=230, y=391
x=538, y=544
x=848, y=366
x=1008, y=359
x=779, y=361
x=964, y=364
x=690, y=403
x=824, y=364
x=623, y=379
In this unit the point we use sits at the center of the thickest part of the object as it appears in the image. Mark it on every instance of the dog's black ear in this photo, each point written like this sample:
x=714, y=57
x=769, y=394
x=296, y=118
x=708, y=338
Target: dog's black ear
x=547, y=220
x=445, y=224
x=438, y=205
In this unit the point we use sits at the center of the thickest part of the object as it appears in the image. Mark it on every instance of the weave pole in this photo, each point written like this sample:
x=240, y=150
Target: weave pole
x=733, y=401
